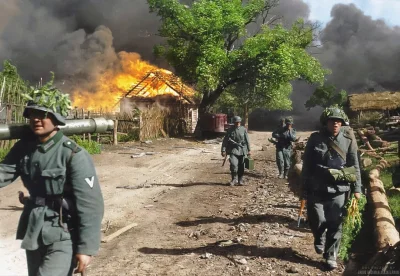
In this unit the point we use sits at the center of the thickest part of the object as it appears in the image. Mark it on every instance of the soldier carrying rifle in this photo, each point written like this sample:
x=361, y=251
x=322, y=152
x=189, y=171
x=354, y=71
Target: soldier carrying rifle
x=236, y=144
x=61, y=221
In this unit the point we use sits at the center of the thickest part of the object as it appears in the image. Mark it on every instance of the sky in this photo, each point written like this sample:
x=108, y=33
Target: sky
x=388, y=10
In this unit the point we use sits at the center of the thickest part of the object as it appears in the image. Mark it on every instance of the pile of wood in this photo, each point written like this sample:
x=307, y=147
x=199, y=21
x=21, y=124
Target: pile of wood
x=370, y=139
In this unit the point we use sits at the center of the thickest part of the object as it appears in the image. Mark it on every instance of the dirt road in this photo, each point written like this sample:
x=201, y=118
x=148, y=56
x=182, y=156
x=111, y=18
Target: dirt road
x=189, y=221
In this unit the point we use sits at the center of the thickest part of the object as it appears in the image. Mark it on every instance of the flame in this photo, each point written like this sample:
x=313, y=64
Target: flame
x=113, y=85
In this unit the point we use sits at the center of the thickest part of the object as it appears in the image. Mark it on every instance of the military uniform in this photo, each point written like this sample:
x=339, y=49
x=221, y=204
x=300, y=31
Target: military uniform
x=284, y=137
x=237, y=150
x=326, y=199
x=63, y=213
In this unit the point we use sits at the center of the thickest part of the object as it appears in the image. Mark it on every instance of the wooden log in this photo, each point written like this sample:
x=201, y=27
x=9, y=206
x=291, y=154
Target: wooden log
x=118, y=233
x=384, y=226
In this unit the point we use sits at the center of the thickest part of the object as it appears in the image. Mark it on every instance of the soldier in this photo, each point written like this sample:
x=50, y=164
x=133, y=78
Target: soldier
x=333, y=148
x=236, y=143
x=285, y=136
x=61, y=221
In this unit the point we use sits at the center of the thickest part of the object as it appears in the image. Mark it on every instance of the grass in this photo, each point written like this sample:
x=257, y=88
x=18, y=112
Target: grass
x=91, y=146
x=393, y=199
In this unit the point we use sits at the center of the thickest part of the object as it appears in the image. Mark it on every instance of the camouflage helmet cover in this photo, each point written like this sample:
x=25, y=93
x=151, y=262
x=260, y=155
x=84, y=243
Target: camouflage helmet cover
x=237, y=119
x=289, y=120
x=60, y=120
x=333, y=112
x=49, y=99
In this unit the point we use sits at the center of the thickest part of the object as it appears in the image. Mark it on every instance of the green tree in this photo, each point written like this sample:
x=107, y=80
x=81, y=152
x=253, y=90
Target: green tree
x=326, y=96
x=11, y=84
x=212, y=44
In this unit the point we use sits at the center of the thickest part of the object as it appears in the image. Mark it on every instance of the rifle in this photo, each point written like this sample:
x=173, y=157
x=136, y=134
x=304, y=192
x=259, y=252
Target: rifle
x=226, y=157
x=302, y=205
x=235, y=143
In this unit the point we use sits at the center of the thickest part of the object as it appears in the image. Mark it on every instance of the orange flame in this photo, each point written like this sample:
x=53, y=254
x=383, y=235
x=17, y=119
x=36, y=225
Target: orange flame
x=114, y=84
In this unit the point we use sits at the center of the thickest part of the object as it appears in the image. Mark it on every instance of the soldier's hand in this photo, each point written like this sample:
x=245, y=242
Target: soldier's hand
x=249, y=153
x=82, y=261
x=357, y=195
x=223, y=154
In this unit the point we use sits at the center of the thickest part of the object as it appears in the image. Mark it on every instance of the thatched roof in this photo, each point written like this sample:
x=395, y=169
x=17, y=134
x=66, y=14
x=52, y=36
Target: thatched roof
x=374, y=101
x=162, y=83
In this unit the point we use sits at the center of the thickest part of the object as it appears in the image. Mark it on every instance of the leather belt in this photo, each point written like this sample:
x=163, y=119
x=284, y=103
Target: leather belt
x=49, y=202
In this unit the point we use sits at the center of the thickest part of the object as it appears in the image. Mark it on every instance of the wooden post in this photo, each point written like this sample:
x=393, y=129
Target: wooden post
x=83, y=118
x=89, y=135
x=115, y=133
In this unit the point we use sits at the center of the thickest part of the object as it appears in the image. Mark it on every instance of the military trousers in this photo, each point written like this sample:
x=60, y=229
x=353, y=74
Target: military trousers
x=51, y=260
x=283, y=159
x=325, y=216
x=237, y=164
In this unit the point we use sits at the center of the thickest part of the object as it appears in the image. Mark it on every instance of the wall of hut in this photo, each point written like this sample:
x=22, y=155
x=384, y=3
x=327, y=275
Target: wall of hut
x=162, y=118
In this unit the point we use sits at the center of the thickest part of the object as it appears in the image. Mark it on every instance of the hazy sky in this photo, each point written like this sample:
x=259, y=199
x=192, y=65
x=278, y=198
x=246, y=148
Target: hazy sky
x=388, y=10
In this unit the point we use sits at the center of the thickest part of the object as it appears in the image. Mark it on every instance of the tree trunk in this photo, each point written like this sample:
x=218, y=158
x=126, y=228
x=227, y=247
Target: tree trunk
x=246, y=115
x=206, y=102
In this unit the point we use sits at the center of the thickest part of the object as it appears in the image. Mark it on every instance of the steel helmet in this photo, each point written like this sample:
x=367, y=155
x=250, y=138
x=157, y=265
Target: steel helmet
x=49, y=99
x=237, y=119
x=333, y=112
x=289, y=120
x=60, y=120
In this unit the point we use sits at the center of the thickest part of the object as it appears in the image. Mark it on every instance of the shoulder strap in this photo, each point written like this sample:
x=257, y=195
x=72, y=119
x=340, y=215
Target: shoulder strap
x=337, y=149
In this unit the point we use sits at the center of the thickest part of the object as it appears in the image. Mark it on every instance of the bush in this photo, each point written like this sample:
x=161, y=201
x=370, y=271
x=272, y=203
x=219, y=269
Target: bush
x=133, y=135
x=3, y=153
x=91, y=146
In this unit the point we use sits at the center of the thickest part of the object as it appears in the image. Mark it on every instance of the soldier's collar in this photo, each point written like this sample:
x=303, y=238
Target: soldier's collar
x=44, y=147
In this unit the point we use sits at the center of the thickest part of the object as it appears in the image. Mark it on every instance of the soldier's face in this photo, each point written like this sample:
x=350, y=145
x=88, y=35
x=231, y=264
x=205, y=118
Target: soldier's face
x=237, y=124
x=334, y=126
x=41, y=123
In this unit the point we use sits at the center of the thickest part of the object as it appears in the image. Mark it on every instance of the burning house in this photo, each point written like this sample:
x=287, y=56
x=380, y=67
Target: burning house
x=163, y=92
x=166, y=104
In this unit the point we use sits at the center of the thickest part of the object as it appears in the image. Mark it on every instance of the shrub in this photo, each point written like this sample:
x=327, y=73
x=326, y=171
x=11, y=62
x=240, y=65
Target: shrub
x=91, y=146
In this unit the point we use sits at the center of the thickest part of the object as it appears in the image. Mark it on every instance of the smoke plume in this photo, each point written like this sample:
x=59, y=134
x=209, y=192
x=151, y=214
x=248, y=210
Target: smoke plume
x=363, y=54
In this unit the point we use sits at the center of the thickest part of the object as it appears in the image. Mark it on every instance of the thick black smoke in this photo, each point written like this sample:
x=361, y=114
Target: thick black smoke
x=77, y=39
x=364, y=54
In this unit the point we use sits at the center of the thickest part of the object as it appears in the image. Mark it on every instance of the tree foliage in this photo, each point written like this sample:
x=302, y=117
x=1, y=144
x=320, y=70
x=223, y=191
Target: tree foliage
x=325, y=96
x=10, y=77
x=215, y=44
x=50, y=97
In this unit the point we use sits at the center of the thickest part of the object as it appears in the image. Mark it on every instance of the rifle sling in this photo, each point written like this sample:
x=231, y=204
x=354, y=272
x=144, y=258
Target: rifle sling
x=337, y=149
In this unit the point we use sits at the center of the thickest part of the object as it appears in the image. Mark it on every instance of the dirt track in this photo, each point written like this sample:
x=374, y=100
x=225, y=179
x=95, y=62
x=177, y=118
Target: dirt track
x=189, y=221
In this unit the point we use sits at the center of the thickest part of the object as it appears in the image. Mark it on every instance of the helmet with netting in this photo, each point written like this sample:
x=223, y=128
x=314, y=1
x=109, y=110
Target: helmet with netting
x=289, y=120
x=333, y=112
x=48, y=99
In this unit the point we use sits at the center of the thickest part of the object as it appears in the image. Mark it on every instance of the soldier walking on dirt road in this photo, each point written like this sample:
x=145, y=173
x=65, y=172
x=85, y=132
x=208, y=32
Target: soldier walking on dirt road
x=328, y=153
x=284, y=137
x=236, y=144
x=61, y=221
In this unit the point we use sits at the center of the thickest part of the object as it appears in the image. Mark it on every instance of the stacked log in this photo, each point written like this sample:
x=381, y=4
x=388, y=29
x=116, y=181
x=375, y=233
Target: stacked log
x=384, y=226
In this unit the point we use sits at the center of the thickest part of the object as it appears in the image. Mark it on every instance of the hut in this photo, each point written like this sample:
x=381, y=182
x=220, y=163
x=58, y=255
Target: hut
x=168, y=105
x=385, y=102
